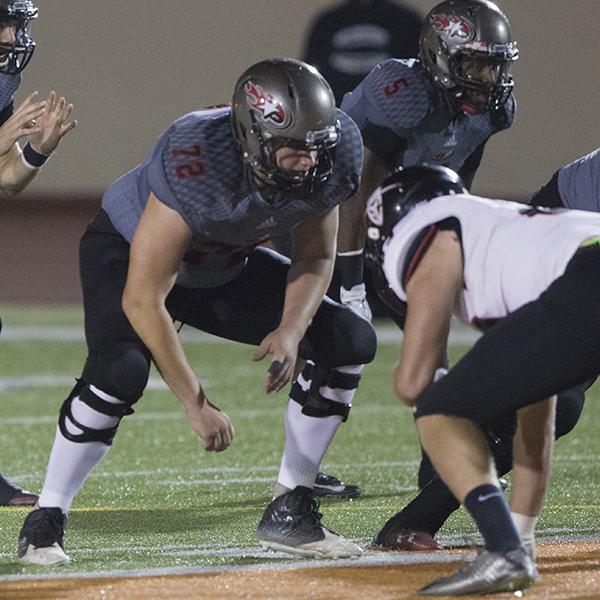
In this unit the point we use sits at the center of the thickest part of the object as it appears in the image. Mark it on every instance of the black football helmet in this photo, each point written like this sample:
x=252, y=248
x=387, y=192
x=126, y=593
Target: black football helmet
x=467, y=49
x=398, y=195
x=285, y=102
x=17, y=51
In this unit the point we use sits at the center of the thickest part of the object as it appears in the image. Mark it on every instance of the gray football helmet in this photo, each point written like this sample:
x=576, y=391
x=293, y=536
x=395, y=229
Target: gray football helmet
x=15, y=54
x=285, y=102
x=467, y=49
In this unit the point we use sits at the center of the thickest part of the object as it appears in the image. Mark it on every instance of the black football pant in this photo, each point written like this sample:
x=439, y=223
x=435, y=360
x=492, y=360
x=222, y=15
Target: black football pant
x=245, y=310
x=547, y=346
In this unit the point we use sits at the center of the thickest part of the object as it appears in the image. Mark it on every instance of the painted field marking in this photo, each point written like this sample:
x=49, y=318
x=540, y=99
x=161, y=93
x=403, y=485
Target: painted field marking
x=284, y=561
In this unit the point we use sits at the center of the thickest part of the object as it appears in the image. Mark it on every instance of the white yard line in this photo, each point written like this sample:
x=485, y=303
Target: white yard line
x=284, y=561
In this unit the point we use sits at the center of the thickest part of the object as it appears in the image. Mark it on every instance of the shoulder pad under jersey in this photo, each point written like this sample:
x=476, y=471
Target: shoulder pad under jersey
x=397, y=91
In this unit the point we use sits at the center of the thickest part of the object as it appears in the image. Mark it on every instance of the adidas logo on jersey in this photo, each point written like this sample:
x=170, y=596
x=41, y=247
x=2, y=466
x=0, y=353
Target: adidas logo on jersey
x=270, y=222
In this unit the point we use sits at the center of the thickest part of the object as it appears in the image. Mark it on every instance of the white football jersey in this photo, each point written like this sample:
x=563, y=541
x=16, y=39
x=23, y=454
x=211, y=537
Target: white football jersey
x=511, y=252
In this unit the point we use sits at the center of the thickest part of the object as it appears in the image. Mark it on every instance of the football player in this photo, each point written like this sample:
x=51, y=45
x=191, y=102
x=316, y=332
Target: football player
x=443, y=252
x=43, y=123
x=177, y=240
x=577, y=186
x=439, y=108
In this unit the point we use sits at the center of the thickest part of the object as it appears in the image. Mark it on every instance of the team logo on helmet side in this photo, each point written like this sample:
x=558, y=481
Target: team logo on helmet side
x=266, y=107
x=453, y=29
x=374, y=208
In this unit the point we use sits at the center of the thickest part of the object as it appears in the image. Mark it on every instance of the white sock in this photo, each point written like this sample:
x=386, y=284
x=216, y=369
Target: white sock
x=71, y=462
x=525, y=526
x=307, y=438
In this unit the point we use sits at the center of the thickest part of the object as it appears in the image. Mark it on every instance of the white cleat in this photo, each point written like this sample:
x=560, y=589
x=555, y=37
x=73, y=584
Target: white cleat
x=332, y=546
x=292, y=523
x=50, y=555
x=41, y=538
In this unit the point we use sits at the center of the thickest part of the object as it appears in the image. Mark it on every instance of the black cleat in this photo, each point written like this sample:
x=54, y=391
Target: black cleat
x=292, y=523
x=488, y=573
x=41, y=538
x=328, y=486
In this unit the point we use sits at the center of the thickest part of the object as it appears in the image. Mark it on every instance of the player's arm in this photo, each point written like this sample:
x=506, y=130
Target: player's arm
x=157, y=249
x=431, y=294
x=351, y=235
x=308, y=278
x=45, y=123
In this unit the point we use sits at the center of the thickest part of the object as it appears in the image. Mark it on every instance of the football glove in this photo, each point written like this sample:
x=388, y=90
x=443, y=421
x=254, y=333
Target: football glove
x=356, y=300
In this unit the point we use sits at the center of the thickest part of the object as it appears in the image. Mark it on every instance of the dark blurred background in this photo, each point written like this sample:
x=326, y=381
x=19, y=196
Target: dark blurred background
x=132, y=67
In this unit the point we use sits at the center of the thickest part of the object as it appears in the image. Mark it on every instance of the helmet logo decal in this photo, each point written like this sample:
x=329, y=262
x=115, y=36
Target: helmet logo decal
x=452, y=28
x=266, y=107
x=375, y=208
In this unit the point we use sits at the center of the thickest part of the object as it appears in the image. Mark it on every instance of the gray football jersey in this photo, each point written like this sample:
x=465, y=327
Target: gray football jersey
x=8, y=87
x=195, y=167
x=579, y=183
x=406, y=121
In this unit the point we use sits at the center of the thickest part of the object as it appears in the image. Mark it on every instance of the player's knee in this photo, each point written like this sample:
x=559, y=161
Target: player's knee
x=355, y=337
x=568, y=410
x=122, y=373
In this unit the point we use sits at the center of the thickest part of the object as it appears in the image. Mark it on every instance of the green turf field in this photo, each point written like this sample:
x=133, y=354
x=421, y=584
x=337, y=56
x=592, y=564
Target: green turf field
x=159, y=501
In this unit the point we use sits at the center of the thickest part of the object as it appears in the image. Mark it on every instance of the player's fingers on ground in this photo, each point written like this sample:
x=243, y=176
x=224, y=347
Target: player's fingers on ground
x=209, y=443
x=283, y=376
x=261, y=351
x=226, y=439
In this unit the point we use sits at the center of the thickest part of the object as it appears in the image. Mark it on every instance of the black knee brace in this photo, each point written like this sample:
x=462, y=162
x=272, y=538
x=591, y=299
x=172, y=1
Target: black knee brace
x=313, y=403
x=85, y=394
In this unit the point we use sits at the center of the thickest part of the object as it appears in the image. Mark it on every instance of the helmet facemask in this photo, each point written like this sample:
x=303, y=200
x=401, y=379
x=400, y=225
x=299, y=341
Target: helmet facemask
x=482, y=79
x=16, y=53
x=321, y=141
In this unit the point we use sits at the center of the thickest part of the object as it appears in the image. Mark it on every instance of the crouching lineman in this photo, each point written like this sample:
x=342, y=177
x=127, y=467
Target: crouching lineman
x=530, y=279
x=576, y=186
x=176, y=240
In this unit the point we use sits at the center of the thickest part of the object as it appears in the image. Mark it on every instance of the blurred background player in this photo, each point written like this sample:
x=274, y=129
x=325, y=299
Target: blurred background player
x=444, y=252
x=43, y=123
x=176, y=240
x=440, y=108
x=345, y=41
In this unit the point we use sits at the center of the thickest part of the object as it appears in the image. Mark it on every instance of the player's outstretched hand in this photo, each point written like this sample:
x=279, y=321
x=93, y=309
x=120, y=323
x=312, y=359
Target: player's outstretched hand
x=53, y=124
x=23, y=122
x=212, y=425
x=282, y=345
